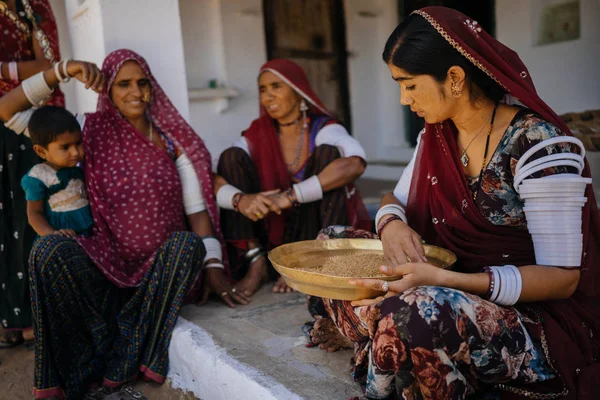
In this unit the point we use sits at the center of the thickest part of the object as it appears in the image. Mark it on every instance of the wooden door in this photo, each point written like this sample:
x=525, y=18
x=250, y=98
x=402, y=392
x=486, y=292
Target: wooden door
x=312, y=33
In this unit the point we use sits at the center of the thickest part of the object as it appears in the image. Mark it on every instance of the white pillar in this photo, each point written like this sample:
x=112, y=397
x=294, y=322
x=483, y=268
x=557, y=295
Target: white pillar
x=151, y=28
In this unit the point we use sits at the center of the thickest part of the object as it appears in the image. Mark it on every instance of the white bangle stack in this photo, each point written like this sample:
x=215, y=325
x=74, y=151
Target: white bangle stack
x=225, y=196
x=37, y=90
x=393, y=209
x=213, y=251
x=64, y=76
x=507, y=285
x=13, y=71
x=193, y=200
x=309, y=190
x=18, y=123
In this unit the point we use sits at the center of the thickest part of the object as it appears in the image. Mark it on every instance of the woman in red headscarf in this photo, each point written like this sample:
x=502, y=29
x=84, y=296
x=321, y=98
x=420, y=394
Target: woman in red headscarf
x=289, y=176
x=498, y=324
x=29, y=45
x=105, y=305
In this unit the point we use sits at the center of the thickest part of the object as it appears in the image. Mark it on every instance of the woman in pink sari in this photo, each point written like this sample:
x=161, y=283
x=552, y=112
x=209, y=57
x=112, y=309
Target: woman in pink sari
x=105, y=305
x=498, y=325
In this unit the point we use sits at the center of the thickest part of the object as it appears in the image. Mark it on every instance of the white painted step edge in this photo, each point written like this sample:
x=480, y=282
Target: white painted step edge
x=198, y=365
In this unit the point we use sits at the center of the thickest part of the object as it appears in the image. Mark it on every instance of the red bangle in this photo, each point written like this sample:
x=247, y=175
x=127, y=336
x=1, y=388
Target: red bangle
x=387, y=221
x=236, y=200
x=488, y=295
x=292, y=197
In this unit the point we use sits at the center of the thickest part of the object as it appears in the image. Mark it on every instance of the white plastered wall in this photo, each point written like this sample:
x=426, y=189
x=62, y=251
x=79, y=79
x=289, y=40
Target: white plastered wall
x=150, y=27
x=225, y=41
x=377, y=116
x=566, y=74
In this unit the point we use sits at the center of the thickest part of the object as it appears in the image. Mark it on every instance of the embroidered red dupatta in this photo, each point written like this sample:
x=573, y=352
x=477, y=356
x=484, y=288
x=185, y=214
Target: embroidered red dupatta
x=441, y=209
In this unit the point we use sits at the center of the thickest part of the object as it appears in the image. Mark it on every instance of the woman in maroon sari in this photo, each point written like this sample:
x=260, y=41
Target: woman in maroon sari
x=105, y=305
x=308, y=161
x=438, y=334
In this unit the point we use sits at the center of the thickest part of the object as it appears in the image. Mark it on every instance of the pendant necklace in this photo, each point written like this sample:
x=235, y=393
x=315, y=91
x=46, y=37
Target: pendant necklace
x=464, y=159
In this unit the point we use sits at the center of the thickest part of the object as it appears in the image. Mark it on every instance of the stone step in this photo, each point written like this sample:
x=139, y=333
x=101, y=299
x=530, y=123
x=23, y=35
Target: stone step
x=255, y=352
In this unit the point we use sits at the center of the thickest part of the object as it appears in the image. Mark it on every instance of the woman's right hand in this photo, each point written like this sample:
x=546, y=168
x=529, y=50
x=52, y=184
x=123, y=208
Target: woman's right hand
x=257, y=206
x=87, y=73
x=400, y=243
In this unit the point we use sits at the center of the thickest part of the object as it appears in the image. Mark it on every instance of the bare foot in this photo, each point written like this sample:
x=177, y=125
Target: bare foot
x=11, y=339
x=281, y=287
x=257, y=275
x=28, y=335
x=328, y=337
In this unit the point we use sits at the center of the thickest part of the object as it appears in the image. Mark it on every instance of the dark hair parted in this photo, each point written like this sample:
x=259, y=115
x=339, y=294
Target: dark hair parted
x=48, y=122
x=417, y=47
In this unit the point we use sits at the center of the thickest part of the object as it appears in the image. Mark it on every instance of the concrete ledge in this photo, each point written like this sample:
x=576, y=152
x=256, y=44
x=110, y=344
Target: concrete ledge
x=255, y=352
x=199, y=366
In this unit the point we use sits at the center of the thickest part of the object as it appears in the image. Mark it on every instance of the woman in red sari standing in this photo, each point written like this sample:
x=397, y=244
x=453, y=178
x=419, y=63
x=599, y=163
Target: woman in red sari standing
x=440, y=334
x=29, y=45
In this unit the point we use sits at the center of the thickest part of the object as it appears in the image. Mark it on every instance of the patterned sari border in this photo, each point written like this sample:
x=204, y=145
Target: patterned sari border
x=457, y=46
x=152, y=375
x=111, y=384
x=46, y=393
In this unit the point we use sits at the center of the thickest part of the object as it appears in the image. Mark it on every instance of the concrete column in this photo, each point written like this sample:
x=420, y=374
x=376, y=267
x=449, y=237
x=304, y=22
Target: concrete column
x=152, y=28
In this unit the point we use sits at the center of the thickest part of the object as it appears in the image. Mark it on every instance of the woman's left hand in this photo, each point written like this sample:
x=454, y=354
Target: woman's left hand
x=411, y=275
x=215, y=281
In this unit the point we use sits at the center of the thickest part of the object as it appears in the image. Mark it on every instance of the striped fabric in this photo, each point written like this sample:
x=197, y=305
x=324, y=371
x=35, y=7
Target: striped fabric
x=89, y=331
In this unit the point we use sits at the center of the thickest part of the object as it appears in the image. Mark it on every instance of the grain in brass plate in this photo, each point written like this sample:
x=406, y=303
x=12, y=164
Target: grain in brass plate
x=288, y=258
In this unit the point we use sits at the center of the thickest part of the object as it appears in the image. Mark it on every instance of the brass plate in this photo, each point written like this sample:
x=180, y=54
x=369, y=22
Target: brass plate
x=287, y=258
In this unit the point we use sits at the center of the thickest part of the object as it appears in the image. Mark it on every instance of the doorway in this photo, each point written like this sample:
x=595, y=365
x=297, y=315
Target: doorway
x=312, y=33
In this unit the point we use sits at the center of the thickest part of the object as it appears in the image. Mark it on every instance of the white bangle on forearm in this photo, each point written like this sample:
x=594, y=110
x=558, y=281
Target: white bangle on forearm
x=214, y=265
x=13, y=71
x=37, y=90
x=61, y=76
x=393, y=209
x=309, y=190
x=65, y=73
x=508, y=285
x=225, y=196
x=18, y=123
x=213, y=249
x=193, y=200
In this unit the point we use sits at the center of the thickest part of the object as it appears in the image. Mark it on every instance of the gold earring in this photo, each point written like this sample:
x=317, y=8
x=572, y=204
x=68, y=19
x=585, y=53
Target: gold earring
x=146, y=98
x=456, y=92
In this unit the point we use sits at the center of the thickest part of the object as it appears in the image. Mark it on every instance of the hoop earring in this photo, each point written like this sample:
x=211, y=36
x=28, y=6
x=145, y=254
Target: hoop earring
x=303, y=110
x=456, y=92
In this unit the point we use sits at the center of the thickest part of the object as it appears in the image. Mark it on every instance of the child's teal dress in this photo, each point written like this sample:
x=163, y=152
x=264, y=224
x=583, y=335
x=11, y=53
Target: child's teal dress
x=65, y=199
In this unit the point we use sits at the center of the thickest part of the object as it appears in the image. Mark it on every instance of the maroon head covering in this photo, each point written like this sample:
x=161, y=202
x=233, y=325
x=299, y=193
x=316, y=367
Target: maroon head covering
x=262, y=135
x=134, y=187
x=265, y=149
x=440, y=207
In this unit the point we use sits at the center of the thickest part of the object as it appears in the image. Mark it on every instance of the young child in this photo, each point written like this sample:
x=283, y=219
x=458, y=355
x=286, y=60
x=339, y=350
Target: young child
x=55, y=189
